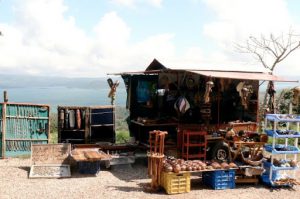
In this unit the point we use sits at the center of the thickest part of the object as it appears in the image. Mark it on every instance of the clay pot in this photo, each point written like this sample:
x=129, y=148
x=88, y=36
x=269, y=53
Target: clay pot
x=263, y=138
x=177, y=168
x=216, y=165
x=183, y=167
x=224, y=165
x=189, y=168
x=293, y=163
x=203, y=165
x=181, y=161
x=232, y=165
x=168, y=168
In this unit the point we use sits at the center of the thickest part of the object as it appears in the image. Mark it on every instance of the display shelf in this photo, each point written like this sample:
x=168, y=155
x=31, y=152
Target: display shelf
x=100, y=125
x=283, y=168
x=272, y=175
x=91, y=123
x=282, y=149
x=191, y=156
x=194, y=144
x=277, y=168
x=277, y=175
x=283, y=117
x=277, y=135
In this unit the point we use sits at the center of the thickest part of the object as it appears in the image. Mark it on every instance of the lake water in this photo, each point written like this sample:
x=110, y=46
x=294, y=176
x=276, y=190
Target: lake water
x=64, y=96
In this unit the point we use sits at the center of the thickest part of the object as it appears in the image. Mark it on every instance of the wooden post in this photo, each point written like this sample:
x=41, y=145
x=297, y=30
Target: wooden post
x=5, y=96
x=114, y=124
x=60, y=126
x=4, y=123
x=88, y=130
x=49, y=125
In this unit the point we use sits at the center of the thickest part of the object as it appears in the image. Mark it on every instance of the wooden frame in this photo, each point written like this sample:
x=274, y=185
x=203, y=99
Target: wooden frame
x=62, y=171
x=5, y=104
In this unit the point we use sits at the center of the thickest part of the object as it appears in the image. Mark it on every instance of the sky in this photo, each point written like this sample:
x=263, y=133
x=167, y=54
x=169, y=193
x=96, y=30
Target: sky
x=76, y=38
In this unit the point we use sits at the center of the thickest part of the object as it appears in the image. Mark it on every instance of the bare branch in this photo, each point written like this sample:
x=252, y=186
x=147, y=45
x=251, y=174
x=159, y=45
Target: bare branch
x=272, y=50
x=261, y=59
x=291, y=50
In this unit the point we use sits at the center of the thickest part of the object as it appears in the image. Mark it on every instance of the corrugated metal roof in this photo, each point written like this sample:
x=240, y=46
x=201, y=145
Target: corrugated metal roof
x=156, y=67
x=220, y=74
x=241, y=75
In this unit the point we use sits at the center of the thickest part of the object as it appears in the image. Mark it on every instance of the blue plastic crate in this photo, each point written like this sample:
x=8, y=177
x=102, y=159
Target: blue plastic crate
x=223, y=179
x=265, y=177
x=86, y=167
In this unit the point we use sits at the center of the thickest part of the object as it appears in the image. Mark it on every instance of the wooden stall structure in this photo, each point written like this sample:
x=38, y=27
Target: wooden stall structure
x=21, y=125
x=176, y=100
x=86, y=124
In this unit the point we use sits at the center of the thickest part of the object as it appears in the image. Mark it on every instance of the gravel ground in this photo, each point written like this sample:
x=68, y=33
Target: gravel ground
x=124, y=181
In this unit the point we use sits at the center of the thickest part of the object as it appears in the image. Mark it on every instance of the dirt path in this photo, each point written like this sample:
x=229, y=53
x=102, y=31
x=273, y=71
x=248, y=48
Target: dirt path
x=127, y=182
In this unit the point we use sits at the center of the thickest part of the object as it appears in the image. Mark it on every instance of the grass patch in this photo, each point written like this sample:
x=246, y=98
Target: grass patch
x=122, y=136
x=53, y=128
x=23, y=156
x=291, y=141
x=53, y=137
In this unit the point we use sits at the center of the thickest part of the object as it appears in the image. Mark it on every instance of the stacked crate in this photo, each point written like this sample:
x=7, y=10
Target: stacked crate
x=175, y=183
x=222, y=179
x=86, y=167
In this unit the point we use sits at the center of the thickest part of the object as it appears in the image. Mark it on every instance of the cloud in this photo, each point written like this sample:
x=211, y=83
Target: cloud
x=157, y=3
x=128, y=3
x=136, y=3
x=42, y=39
x=236, y=20
x=45, y=40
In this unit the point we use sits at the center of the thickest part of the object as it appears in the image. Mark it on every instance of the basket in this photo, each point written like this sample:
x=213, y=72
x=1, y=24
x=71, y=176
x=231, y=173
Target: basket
x=219, y=179
x=175, y=183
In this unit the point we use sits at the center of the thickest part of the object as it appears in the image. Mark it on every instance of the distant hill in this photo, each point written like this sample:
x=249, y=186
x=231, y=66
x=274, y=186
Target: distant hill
x=28, y=81
x=57, y=91
x=60, y=90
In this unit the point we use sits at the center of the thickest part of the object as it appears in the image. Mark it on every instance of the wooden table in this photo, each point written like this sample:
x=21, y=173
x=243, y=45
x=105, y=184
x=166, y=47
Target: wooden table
x=152, y=126
x=89, y=155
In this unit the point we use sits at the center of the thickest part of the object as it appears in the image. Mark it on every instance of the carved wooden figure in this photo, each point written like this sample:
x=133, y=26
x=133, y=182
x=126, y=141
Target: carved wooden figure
x=208, y=90
x=113, y=88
